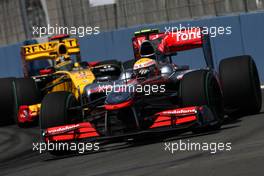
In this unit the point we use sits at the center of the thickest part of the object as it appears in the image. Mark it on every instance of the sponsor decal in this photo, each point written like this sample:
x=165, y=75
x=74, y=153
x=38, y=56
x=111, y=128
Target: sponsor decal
x=143, y=63
x=63, y=129
x=49, y=46
x=179, y=111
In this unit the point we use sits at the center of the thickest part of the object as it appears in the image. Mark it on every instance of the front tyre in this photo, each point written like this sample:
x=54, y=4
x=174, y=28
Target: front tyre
x=55, y=109
x=199, y=88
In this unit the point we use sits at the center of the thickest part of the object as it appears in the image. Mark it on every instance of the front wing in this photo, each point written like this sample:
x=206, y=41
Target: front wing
x=175, y=119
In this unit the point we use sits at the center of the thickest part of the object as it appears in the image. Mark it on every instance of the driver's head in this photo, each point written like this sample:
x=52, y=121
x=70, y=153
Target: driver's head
x=145, y=68
x=63, y=58
x=64, y=62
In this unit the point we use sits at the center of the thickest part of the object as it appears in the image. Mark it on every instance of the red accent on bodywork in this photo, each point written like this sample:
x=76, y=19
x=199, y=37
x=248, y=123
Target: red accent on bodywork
x=93, y=64
x=171, y=42
x=175, y=117
x=181, y=40
x=162, y=121
x=60, y=36
x=46, y=71
x=186, y=119
x=168, y=122
x=71, y=132
x=25, y=115
x=118, y=106
x=138, y=40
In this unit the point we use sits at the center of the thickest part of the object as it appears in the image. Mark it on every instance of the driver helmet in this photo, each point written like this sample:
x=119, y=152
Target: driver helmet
x=64, y=63
x=63, y=58
x=145, y=68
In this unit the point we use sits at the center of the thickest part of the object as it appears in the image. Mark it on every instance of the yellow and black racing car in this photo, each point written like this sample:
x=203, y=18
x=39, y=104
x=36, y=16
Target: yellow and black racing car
x=54, y=68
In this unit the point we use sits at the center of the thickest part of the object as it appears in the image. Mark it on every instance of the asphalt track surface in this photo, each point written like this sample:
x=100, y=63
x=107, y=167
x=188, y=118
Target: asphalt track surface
x=147, y=158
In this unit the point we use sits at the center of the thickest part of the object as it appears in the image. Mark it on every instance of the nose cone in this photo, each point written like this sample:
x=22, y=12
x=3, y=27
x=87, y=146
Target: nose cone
x=118, y=97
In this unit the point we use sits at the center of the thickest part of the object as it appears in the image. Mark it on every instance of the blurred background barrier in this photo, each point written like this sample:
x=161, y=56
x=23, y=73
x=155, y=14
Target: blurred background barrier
x=17, y=17
x=122, y=18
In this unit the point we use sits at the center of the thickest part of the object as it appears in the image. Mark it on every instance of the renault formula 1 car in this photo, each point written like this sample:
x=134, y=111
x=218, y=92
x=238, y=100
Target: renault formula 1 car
x=180, y=97
x=49, y=67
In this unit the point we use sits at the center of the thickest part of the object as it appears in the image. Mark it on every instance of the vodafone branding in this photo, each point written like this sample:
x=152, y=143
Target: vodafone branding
x=63, y=129
x=180, y=111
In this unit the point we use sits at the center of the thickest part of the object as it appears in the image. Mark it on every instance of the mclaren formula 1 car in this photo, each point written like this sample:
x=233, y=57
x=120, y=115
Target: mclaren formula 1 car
x=154, y=94
x=53, y=66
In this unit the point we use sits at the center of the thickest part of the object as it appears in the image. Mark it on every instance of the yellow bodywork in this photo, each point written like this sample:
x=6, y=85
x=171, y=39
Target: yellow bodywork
x=143, y=63
x=79, y=79
x=34, y=109
x=76, y=79
x=49, y=50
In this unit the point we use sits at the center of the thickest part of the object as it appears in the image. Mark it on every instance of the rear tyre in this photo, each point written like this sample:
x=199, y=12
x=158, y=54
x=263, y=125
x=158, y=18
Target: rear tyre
x=25, y=93
x=6, y=101
x=241, y=85
x=200, y=88
x=54, y=109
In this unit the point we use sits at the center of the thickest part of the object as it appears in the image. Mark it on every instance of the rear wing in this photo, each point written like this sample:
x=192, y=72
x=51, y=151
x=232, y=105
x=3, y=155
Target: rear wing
x=50, y=50
x=169, y=43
